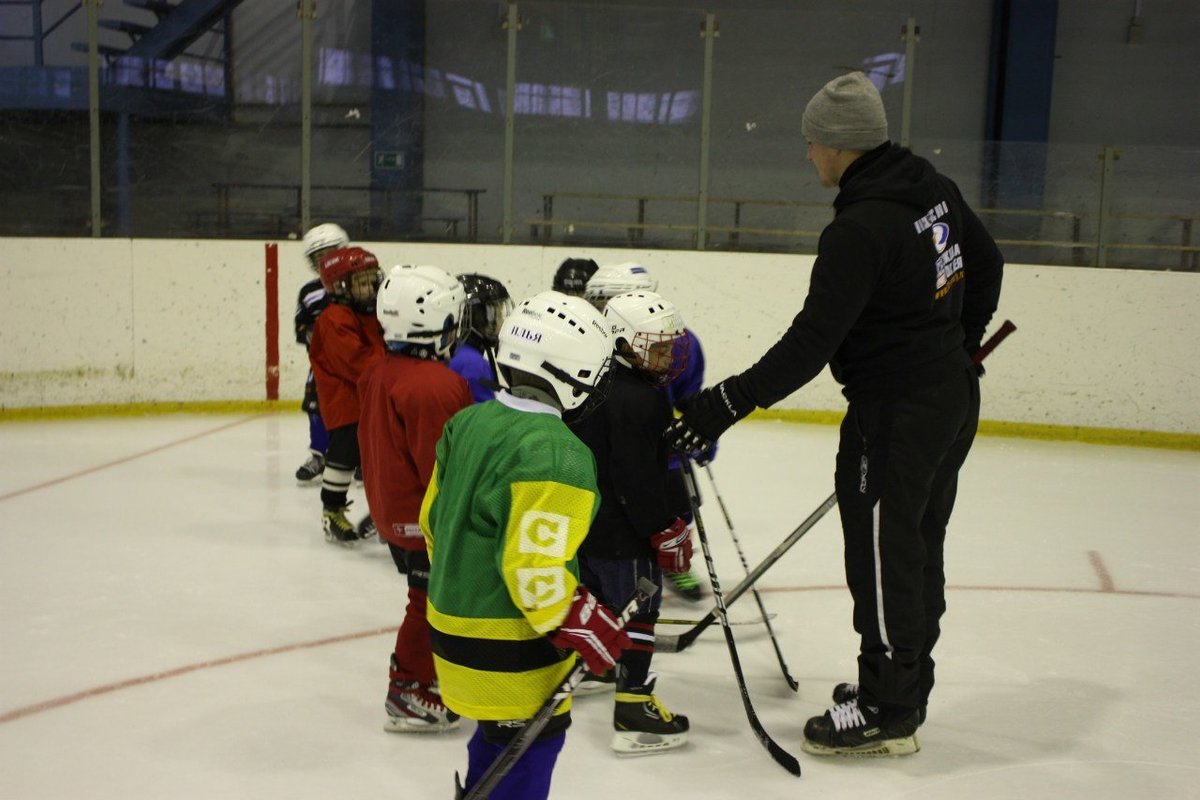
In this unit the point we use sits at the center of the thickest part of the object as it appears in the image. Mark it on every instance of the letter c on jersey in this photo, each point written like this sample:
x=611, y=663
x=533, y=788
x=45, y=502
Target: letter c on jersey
x=543, y=533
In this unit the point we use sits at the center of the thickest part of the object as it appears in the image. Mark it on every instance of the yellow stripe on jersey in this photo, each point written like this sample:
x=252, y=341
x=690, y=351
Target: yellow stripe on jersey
x=539, y=543
x=476, y=694
x=515, y=629
x=431, y=493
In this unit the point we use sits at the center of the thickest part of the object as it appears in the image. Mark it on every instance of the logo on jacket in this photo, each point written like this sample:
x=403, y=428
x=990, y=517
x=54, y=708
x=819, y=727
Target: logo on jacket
x=541, y=587
x=941, y=236
x=543, y=533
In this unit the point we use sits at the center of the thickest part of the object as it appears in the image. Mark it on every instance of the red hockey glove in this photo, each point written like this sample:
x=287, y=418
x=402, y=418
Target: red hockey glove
x=673, y=547
x=593, y=631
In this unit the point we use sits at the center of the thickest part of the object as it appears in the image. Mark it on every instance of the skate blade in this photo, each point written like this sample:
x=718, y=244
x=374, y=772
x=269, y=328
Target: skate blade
x=412, y=725
x=904, y=746
x=640, y=743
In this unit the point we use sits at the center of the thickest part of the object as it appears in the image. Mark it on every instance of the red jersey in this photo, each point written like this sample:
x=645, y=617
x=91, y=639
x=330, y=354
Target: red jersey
x=405, y=403
x=344, y=343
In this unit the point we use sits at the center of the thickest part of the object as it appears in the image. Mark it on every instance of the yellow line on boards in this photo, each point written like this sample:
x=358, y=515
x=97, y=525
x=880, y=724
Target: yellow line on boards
x=1019, y=430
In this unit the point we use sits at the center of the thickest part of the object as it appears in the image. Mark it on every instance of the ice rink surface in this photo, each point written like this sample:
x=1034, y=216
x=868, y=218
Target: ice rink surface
x=175, y=626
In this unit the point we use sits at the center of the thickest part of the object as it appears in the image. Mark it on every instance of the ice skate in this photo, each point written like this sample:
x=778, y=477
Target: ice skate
x=338, y=529
x=366, y=528
x=848, y=730
x=413, y=708
x=685, y=585
x=643, y=724
x=310, y=471
x=845, y=692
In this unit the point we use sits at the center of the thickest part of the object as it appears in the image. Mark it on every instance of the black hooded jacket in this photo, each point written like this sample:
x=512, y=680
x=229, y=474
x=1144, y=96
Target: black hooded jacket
x=625, y=433
x=905, y=282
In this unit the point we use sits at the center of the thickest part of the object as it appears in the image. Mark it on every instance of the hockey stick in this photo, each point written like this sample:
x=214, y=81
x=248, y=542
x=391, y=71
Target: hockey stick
x=787, y=676
x=781, y=756
x=525, y=737
x=667, y=643
x=690, y=622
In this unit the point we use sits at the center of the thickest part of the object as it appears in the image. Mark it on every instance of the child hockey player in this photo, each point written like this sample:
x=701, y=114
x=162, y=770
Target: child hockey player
x=637, y=534
x=406, y=397
x=487, y=306
x=512, y=496
x=609, y=282
x=346, y=339
x=309, y=304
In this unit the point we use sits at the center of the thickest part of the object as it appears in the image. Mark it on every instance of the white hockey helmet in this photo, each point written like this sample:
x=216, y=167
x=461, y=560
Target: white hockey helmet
x=320, y=239
x=420, y=305
x=610, y=281
x=653, y=329
x=563, y=341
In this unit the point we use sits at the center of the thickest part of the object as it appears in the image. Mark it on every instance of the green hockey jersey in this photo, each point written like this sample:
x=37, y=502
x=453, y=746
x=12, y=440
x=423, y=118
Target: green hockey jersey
x=512, y=497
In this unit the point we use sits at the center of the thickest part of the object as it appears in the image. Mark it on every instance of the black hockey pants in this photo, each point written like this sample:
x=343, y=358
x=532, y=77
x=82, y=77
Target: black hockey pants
x=897, y=475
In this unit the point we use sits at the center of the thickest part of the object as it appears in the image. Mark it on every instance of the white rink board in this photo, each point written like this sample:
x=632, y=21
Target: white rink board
x=121, y=321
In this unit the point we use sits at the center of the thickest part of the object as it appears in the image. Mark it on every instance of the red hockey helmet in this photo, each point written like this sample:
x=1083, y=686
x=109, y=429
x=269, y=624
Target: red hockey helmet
x=338, y=265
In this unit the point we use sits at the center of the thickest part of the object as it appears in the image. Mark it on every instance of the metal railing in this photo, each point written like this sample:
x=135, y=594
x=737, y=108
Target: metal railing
x=387, y=219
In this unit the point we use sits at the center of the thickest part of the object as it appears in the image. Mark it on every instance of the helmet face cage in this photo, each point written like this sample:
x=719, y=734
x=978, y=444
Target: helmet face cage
x=650, y=335
x=661, y=356
x=563, y=341
x=488, y=304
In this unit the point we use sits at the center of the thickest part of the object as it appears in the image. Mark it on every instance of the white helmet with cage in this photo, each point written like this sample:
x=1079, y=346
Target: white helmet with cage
x=422, y=306
x=649, y=334
x=564, y=343
x=321, y=239
x=610, y=281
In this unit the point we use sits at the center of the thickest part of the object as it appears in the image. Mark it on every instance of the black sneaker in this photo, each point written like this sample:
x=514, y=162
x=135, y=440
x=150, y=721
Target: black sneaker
x=845, y=692
x=849, y=730
x=310, y=471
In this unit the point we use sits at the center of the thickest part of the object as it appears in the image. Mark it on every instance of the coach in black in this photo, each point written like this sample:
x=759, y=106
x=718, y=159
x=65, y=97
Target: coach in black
x=905, y=282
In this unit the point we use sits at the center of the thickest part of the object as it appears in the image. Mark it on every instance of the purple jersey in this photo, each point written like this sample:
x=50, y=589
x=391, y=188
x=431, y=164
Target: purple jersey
x=471, y=364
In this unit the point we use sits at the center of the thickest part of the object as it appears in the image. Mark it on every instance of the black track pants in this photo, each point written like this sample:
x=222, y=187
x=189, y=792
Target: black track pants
x=897, y=476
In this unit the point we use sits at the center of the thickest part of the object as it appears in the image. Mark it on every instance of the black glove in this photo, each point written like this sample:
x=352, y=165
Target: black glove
x=706, y=415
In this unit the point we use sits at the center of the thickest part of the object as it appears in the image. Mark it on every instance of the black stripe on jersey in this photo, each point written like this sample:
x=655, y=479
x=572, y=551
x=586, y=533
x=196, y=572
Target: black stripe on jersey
x=495, y=655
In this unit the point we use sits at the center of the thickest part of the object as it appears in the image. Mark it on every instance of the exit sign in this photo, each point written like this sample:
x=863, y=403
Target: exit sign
x=389, y=159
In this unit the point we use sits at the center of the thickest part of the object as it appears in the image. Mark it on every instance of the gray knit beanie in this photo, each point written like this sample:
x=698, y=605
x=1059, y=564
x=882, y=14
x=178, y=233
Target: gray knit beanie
x=847, y=114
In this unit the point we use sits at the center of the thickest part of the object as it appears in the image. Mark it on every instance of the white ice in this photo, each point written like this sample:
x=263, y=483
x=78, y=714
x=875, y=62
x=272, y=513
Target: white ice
x=175, y=626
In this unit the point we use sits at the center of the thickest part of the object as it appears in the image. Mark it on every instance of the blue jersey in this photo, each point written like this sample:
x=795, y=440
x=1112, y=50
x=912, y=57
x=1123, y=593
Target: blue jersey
x=472, y=365
x=687, y=383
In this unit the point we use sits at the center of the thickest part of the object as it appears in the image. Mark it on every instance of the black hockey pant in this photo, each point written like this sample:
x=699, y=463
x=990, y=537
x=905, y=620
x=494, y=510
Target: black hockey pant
x=897, y=476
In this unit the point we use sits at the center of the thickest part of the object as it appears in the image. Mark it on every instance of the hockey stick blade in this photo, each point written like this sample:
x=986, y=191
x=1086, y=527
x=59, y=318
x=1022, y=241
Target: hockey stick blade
x=677, y=643
x=537, y=723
